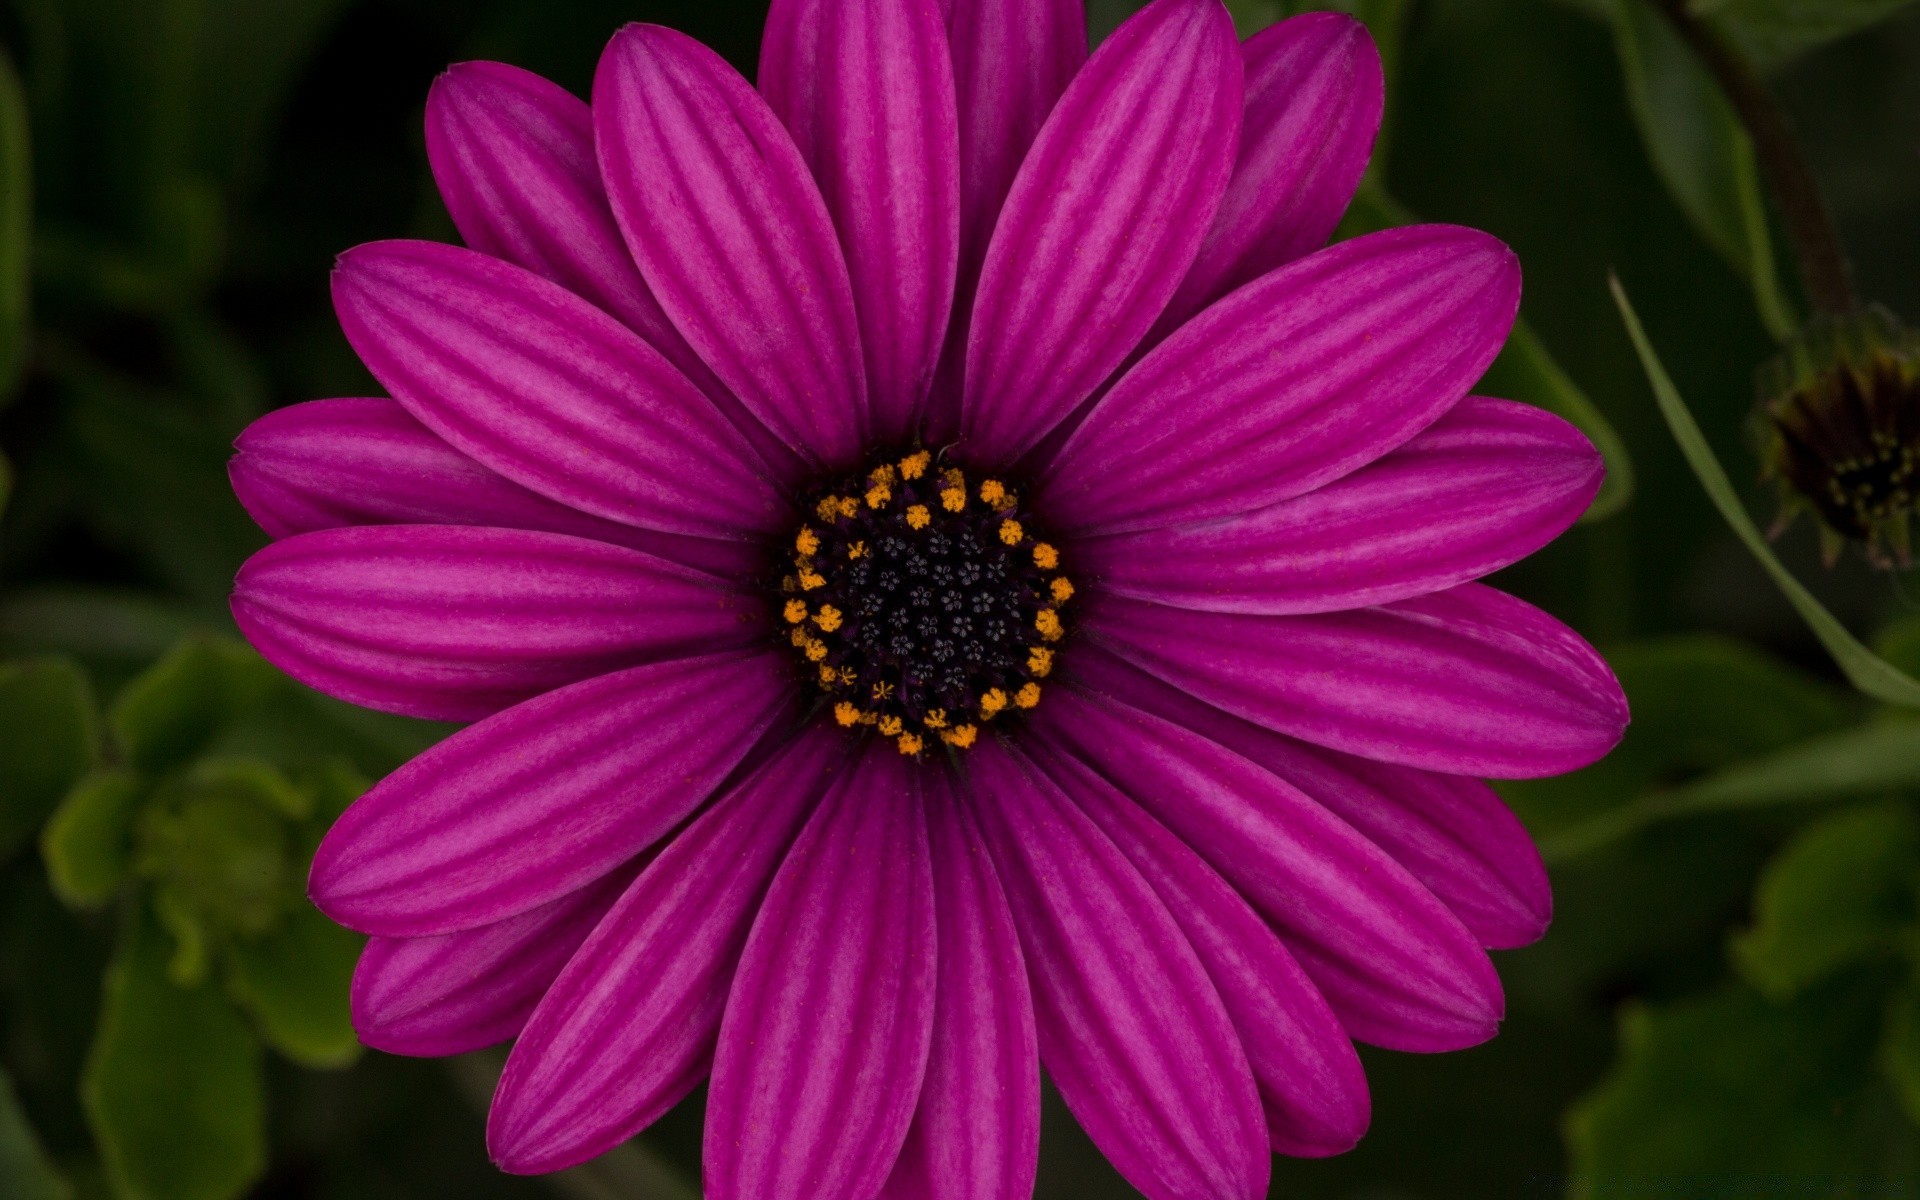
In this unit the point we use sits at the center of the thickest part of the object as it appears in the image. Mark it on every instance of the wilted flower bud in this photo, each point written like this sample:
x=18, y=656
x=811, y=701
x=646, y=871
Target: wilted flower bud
x=1840, y=429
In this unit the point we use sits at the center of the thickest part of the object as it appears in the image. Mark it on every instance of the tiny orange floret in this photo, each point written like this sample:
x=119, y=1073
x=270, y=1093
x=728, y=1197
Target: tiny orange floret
x=828, y=509
x=1048, y=623
x=799, y=638
x=849, y=506
x=828, y=618
x=846, y=714
x=808, y=542
x=882, y=475
x=918, y=517
x=991, y=703
x=816, y=650
x=913, y=466
x=1061, y=589
x=993, y=491
x=953, y=499
x=809, y=580
x=857, y=550
x=1011, y=533
x=936, y=718
x=891, y=726
x=1027, y=696
x=961, y=736
x=1040, y=661
x=796, y=611
x=1045, y=557
x=910, y=743
x=827, y=677
x=878, y=495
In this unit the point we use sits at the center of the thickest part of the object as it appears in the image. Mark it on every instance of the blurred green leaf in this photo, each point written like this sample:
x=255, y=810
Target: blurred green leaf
x=1728, y=1090
x=170, y=712
x=117, y=627
x=1841, y=892
x=1900, y=1049
x=49, y=738
x=26, y=1173
x=1701, y=152
x=294, y=979
x=16, y=231
x=1774, y=31
x=173, y=1087
x=1867, y=672
x=1899, y=644
x=88, y=843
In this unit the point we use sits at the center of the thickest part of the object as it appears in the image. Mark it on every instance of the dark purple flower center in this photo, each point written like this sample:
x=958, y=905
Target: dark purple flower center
x=923, y=604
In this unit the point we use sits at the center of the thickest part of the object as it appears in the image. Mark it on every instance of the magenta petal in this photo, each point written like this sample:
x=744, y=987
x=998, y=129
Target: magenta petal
x=1314, y=97
x=1483, y=487
x=454, y=622
x=1011, y=61
x=1468, y=681
x=548, y=390
x=629, y=1027
x=513, y=155
x=1131, y=1030
x=1398, y=969
x=1452, y=833
x=866, y=89
x=1310, y=1080
x=830, y=1017
x=544, y=798
x=329, y=463
x=731, y=233
x=1294, y=380
x=434, y=996
x=1102, y=222
x=976, y=1132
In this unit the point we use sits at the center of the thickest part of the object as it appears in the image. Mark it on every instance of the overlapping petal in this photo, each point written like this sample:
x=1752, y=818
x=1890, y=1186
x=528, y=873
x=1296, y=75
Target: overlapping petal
x=629, y=1027
x=1452, y=833
x=1467, y=681
x=1398, y=969
x=731, y=233
x=463, y=991
x=548, y=390
x=825, y=1040
x=1131, y=1029
x=1484, y=486
x=1310, y=1079
x=1102, y=222
x=513, y=156
x=544, y=798
x=1314, y=97
x=976, y=1130
x=1293, y=381
x=329, y=463
x=866, y=90
x=455, y=623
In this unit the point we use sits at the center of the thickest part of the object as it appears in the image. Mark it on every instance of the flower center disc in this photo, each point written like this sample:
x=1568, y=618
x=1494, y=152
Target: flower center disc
x=924, y=604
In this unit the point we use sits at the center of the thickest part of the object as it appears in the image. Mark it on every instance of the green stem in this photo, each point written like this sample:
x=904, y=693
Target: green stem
x=1823, y=261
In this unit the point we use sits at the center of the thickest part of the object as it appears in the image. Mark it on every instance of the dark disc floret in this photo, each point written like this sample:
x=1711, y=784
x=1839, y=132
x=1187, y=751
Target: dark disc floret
x=924, y=605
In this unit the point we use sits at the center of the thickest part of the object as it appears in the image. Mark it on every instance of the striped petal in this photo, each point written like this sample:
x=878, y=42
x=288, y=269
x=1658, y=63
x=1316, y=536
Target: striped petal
x=513, y=156
x=629, y=1027
x=1131, y=1030
x=1452, y=833
x=733, y=237
x=454, y=623
x=541, y=800
x=548, y=390
x=1483, y=487
x=866, y=90
x=1102, y=221
x=1468, y=681
x=830, y=1018
x=1291, y=382
x=434, y=996
x=1398, y=969
x=976, y=1131
x=330, y=463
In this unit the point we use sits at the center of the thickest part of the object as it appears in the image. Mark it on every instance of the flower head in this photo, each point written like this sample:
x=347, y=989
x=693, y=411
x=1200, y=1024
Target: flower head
x=947, y=577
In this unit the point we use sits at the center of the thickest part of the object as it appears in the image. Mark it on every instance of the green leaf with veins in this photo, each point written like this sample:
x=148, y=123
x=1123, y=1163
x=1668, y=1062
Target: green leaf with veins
x=173, y=1086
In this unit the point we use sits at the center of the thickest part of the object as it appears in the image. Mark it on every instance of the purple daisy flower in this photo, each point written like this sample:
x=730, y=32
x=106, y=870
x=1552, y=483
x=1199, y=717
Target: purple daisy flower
x=948, y=578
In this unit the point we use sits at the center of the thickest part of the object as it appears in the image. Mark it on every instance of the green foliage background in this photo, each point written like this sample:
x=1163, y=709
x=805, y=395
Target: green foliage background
x=1728, y=1004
